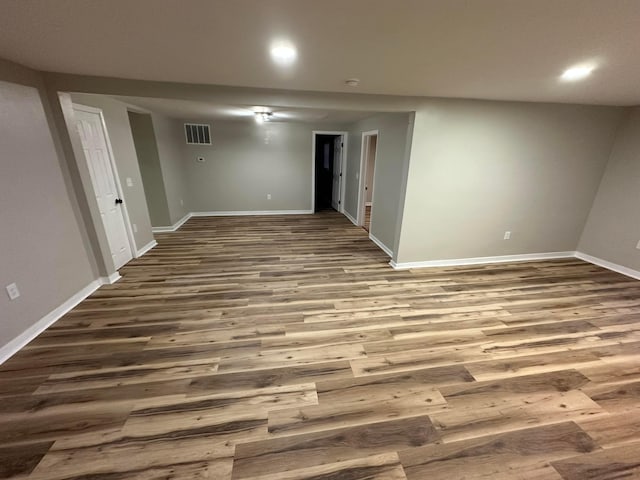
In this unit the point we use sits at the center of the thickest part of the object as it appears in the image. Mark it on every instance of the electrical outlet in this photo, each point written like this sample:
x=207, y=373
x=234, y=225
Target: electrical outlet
x=12, y=291
x=268, y=196
x=135, y=228
x=507, y=235
x=129, y=182
x=181, y=203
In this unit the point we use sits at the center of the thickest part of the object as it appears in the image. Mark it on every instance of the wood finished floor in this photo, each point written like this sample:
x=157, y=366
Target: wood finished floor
x=286, y=348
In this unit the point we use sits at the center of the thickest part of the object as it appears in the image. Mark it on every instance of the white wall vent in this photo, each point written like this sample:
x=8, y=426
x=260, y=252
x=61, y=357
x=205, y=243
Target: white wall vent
x=197, y=134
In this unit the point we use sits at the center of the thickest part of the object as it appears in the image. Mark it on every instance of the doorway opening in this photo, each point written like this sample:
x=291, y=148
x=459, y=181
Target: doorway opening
x=328, y=163
x=367, y=178
x=105, y=183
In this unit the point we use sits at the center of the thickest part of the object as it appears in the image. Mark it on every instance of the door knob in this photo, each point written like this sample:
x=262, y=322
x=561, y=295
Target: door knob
x=118, y=200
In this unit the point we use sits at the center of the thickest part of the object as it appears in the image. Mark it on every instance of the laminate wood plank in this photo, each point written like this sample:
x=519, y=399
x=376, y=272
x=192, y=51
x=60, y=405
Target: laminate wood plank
x=532, y=364
x=114, y=377
x=609, y=464
x=330, y=446
x=612, y=430
x=249, y=380
x=385, y=466
x=26, y=430
x=349, y=402
x=22, y=459
x=520, y=454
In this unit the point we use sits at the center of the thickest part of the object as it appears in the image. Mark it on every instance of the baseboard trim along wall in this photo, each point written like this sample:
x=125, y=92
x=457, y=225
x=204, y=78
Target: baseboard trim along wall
x=629, y=272
x=174, y=227
x=353, y=220
x=481, y=260
x=15, y=345
x=250, y=213
x=382, y=246
x=146, y=248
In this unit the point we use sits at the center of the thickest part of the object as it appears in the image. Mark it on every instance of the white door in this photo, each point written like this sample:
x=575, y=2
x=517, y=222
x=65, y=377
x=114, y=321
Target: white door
x=337, y=173
x=103, y=178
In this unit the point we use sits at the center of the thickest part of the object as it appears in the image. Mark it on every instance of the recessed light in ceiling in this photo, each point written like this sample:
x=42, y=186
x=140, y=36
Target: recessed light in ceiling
x=352, y=82
x=262, y=117
x=577, y=72
x=283, y=53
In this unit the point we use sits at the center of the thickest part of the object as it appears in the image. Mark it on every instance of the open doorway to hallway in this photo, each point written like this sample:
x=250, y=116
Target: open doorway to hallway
x=328, y=154
x=368, y=166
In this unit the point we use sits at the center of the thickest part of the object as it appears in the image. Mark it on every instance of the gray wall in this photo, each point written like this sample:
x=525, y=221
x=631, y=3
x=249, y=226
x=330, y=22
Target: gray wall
x=246, y=162
x=478, y=169
x=117, y=121
x=171, y=151
x=390, y=154
x=613, y=227
x=144, y=140
x=42, y=247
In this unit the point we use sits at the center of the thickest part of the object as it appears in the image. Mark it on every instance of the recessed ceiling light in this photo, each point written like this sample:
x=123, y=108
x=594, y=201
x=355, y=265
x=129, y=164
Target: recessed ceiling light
x=352, y=82
x=262, y=117
x=283, y=53
x=577, y=72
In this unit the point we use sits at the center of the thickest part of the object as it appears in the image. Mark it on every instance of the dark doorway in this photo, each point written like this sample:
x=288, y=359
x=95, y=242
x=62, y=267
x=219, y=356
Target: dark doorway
x=328, y=153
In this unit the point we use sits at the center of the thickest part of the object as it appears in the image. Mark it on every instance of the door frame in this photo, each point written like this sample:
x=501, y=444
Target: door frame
x=114, y=168
x=343, y=165
x=364, y=153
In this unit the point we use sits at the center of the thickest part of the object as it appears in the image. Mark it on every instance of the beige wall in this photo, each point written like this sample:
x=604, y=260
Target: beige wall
x=117, y=122
x=391, y=150
x=149, y=162
x=41, y=243
x=246, y=162
x=171, y=151
x=613, y=227
x=478, y=169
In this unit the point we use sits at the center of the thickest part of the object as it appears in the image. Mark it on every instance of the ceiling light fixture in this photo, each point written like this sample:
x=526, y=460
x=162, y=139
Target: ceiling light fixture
x=262, y=117
x=577, y=72
x=352, y=82
x=283, y=53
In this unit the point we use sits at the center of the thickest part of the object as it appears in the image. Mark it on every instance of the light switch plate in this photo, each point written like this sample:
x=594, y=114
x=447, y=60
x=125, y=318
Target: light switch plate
x=129, y=182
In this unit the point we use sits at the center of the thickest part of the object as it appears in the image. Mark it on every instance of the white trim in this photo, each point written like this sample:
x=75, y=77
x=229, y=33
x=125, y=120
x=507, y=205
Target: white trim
x=233, y=213
x=146, y=248
x=174, y=227
x=363, y=172
x=15, y=345
x=526, y=257
x=382, y=246
x=343, y=165
x=629, y=272
x=348, y=215
x=111, y=279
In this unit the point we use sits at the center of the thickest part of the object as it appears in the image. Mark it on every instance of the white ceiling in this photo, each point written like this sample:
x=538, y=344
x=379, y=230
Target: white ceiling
x=494, y=49
x=202, y=110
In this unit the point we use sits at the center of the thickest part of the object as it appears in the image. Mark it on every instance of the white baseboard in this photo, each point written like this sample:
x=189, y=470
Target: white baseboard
x=351, y=219
x=14, y=346
x=482, y=260
x=382, y=246
x=113, y=278
x=174, y=227
x=629, y=272
x=243, y=213
x=146, y=248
